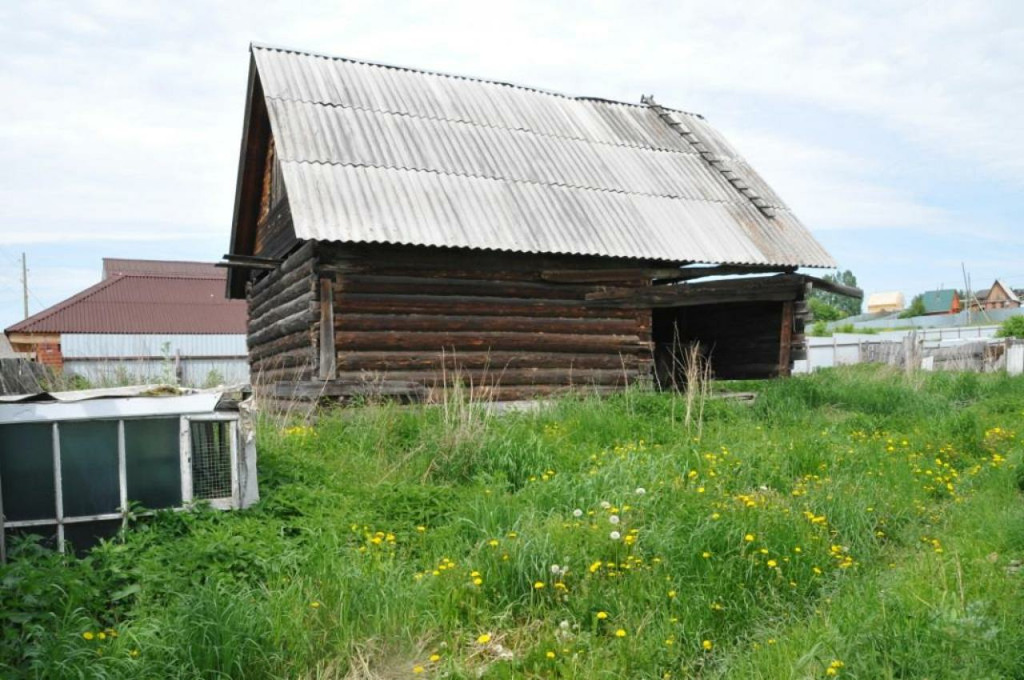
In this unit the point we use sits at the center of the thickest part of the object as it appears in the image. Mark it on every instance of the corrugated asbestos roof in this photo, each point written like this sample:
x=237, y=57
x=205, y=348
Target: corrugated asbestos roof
x=373, y=153
x=144, y=304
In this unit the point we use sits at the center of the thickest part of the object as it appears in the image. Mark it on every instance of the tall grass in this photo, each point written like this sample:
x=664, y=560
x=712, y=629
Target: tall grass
x=847, y=524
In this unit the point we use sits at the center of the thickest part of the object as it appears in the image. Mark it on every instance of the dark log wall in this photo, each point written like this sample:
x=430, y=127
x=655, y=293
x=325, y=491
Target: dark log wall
x=418, y=314
x=283, y=321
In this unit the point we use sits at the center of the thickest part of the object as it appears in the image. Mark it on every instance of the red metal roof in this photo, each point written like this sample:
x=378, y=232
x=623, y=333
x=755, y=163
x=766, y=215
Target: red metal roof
x=128, y=303
x=114, y=265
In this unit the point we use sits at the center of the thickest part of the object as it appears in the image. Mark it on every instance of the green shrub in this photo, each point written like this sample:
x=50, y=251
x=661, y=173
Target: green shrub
x=1011, y=328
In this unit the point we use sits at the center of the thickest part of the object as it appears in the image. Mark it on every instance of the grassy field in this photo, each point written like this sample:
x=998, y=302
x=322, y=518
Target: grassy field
x=848, y=524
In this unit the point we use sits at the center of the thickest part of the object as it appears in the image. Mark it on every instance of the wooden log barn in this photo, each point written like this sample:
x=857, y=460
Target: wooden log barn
x=395, y=227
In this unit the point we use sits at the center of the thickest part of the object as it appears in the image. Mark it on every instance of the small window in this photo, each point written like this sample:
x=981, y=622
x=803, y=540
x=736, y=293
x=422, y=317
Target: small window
x=211, y=459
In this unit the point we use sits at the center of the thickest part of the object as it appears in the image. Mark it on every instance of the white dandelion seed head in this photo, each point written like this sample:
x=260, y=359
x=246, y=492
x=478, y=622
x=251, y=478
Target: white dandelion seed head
x=564, y=625
x=605, y=505
x=577, y=513
x=614, y=519
x=615, y=535
x=555, y=569
x=640, y=491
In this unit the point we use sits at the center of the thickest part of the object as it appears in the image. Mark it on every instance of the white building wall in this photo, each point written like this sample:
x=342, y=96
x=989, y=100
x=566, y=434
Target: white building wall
x=196, y=360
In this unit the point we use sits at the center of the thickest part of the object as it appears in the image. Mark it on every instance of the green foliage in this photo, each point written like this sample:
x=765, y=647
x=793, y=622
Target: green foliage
x=916, y=308
x=819, y=329
x=884, y=521
x=845, y=306
x=1011, y=328
x=822, y=311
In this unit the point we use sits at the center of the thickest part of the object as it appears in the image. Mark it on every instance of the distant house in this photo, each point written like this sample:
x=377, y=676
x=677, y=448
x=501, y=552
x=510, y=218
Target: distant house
x=999, y=296
x=941, y=302
x=402, y=223
x=145, y=320
x=885, y=302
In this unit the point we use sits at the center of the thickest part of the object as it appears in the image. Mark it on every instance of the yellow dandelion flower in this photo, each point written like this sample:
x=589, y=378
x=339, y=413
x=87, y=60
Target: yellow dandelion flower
x=772, y=564
x=314, y=604
x=708, y=645
x=620, y=633
x=550, y=654
x=539, y=585
x=705, y=554
x=672, y=594
x=602, y=615
x=484, y=639
x=101, y=635
x=478, y=581
x=749, y=538
x=417, y=669
x=434, y=658
x=88, y=635
x=134, y=653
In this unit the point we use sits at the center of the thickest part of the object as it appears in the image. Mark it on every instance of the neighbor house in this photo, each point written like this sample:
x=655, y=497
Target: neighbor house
x=999, y=296
x=146, y=320
x=885, y=302
x=941, y=302
x=394, y=227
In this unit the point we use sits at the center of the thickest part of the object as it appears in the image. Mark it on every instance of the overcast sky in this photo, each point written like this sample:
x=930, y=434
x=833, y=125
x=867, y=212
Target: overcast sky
x=893, y=129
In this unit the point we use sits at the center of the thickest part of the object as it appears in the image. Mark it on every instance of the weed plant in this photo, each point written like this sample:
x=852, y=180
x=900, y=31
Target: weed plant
x=847, y=524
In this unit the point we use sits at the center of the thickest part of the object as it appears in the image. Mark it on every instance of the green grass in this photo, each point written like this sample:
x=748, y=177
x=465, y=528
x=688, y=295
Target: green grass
x=849, y=524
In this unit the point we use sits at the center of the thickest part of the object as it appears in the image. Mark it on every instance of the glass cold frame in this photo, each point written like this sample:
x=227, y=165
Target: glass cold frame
x=26, y=472
x=153, y=462
x=89, y=467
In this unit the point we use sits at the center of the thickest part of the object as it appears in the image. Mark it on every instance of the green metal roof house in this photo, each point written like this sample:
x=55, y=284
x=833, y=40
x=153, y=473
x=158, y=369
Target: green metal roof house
x=941, y=302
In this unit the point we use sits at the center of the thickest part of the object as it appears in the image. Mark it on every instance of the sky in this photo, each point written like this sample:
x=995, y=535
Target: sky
x=891, y=128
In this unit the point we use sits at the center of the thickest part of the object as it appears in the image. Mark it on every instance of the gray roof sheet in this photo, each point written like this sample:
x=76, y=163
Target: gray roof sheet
x=373, y=153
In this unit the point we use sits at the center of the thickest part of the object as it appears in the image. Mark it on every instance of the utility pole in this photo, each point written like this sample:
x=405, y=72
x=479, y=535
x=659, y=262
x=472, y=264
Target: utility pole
x=24, y=284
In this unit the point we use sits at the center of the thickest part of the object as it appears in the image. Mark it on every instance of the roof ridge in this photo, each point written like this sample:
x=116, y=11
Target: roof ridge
x=561, y=185
x=442, y=74
x=156, y=275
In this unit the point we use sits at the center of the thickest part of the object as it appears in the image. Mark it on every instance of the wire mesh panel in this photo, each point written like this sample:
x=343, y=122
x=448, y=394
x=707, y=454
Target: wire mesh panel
x=211, y=459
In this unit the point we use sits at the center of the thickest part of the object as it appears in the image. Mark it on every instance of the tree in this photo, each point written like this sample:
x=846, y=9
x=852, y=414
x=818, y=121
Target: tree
x=1011, y=328
x=847, y=306
x=823, y=311
x=916, y=307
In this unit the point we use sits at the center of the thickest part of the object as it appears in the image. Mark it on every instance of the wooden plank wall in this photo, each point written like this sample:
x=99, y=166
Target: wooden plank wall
x=284, y=320
x=418, y=314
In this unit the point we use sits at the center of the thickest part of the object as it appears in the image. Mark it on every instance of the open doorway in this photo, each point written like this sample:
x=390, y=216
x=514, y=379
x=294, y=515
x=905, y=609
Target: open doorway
x=742, y=340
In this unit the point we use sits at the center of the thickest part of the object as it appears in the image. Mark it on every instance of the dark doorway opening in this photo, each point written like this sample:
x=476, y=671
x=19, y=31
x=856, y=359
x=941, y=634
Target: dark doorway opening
x=743, y=340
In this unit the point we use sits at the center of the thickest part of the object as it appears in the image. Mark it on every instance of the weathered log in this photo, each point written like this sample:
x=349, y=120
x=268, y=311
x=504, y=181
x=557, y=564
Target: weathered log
x=496, y=341
x=499, y=376
x=301, y=256
x=295, y=340
x=275, y=313
x=524, y=324
x=291, y=285
x=398, y=361
x=425, y=285
x=412, y=304
x=295, y=322
x=316, y=389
